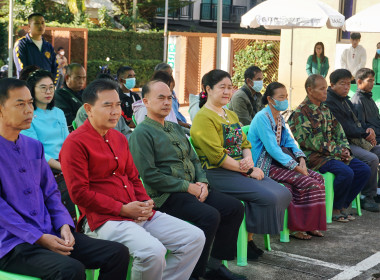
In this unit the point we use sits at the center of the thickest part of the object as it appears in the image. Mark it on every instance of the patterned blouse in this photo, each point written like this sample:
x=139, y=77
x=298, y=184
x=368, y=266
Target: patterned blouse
x=215, y=137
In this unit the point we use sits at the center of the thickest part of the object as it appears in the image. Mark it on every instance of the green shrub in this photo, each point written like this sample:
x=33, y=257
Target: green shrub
x=142, y=68
x=260, y=54
x=121, y=45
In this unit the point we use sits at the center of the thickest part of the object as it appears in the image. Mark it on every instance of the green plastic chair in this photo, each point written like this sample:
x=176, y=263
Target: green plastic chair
x=74, y=124
x=245, y=129
x=329, y=190
x=12, y=276
x=134, y=120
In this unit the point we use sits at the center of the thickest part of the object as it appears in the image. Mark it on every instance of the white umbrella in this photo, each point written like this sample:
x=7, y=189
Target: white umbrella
x=290, y=14
x=367, y=20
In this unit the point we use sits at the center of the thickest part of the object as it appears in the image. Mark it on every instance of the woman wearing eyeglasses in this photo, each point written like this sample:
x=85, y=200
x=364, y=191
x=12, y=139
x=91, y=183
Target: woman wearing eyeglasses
x=48, y=126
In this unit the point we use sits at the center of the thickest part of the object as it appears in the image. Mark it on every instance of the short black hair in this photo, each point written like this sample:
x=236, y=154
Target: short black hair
x=8, y=84
x=60, y=48
x=251, y=72
x=105, y=76
x=211, y=79
x=90, y=94
x=163, y=76
x=30, y=17
x=147, y=87
x=364, y=73
x=355, y=36
x=122, y=70
x=339, y=74
x=26, y=71
x=162, y=66
x=270, y=91
x=71, y=67
x=311, y=81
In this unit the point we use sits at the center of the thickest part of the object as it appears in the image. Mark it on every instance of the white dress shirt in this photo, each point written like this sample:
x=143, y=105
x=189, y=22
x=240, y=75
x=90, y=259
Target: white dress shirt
x=353, y=59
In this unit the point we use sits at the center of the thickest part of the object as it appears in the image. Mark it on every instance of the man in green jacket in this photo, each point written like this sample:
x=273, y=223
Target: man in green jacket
x=246, y=101
x=175, y=180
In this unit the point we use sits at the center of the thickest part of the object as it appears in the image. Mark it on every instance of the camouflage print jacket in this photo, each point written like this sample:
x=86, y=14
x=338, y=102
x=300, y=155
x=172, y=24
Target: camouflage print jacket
x=319, y=134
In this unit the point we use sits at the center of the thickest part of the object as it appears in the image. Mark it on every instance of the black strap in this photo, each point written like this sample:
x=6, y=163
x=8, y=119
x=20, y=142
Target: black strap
x=249, y=94
x=357, y=122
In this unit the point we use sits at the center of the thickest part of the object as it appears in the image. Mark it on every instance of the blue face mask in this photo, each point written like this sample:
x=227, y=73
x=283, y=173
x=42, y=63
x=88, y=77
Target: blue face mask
x=257, y=85
x=281, y=105
x=378, y=51
x=130, y=83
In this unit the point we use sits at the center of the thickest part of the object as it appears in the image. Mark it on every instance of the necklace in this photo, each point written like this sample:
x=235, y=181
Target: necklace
x=224, y=116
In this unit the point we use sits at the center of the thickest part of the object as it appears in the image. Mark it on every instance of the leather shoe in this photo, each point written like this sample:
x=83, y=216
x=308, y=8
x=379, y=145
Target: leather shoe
x=252, y=246
x=369, y=204
x=222, y=273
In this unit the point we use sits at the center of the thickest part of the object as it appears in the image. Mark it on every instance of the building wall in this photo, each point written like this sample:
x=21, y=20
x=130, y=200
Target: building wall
x=303, y=44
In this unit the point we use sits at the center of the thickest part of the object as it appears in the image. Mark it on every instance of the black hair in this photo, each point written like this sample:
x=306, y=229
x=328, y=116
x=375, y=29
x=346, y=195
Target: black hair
x=32, y=81
x=251, y=72
x=339, y=74
x=311, y=81
x=7, y=84
x=269, y=92
x=30, y=17
x=377, y=55
x=105, y=76
x=26, y=71
x=355, y=36
x=211, y=79
x=147, y=87
x=364, y=73
x=90, y=94
x=162, y=66
x=60, y=48
x=322, y=54
x=122, y=70
x=71, y=67
x=163, y=76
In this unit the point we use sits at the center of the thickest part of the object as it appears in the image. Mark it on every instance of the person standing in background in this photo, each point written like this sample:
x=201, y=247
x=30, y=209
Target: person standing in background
x=62, y=63
x=376, y=64
x=318, y=63
x=355, y=57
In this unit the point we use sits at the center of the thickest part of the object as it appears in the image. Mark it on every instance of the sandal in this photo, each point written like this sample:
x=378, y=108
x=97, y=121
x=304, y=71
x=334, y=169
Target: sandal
x=348, y=216
x=340, y=218
x=316, y=233
x=300, y=235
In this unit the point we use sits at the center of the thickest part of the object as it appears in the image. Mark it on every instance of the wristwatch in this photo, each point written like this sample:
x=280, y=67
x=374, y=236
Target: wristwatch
x=249, y=171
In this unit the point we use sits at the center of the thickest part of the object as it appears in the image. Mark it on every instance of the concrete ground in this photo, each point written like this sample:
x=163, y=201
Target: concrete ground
x=348, y=251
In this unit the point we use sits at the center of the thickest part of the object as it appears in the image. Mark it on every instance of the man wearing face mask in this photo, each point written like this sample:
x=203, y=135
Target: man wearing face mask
x=246, y=102
x=126, y=78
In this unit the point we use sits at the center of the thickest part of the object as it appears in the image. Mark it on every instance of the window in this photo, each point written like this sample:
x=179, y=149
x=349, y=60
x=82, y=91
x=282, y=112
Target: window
x=347, y=8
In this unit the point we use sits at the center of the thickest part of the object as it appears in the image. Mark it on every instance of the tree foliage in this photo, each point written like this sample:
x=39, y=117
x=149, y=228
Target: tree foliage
x=259, y=53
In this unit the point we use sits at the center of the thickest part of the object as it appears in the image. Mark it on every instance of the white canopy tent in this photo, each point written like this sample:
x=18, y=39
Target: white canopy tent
x=367, y=20
x=290, y=14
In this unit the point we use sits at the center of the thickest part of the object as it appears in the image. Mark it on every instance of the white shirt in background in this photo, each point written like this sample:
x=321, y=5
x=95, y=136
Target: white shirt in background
x=38, y=44
x=353, y=59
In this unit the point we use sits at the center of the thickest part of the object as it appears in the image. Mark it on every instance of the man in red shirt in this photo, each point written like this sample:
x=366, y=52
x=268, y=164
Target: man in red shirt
x=103, y=181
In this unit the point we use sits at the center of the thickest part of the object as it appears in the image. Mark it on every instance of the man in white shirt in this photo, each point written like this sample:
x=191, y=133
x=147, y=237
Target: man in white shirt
x=355, y=57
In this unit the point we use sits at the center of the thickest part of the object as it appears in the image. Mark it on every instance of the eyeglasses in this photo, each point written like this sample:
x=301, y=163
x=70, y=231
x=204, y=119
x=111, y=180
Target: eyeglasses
x=44, y=89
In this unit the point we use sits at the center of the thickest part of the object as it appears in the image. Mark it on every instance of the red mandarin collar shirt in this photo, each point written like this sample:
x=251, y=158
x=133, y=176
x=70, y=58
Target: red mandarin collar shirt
x=100, y=174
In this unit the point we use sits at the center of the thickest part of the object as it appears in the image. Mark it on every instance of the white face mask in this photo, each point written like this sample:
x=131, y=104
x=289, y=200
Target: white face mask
x=62, y=52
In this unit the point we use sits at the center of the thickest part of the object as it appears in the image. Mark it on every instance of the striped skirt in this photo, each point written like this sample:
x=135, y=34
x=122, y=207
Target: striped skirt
x=307, y=210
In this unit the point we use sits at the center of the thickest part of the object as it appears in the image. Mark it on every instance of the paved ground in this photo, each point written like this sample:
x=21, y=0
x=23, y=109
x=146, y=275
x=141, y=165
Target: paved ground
x=348, y=251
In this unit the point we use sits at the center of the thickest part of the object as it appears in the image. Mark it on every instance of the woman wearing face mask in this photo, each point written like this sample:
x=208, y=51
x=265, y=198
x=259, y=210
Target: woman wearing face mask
x=376, y=64
x=277, y=154
x=49, y=127
x=127, y=80
x=318, y=63
x=62, y=63
x=226, y=156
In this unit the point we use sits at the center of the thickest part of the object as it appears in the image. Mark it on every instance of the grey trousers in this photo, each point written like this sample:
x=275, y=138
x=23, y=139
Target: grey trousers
x=371, y=158
x=149, y=241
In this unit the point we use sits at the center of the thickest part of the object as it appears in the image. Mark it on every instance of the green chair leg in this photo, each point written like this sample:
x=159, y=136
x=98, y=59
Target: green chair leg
x=129, y=275
x=13, y=276
x=225, y=263
x=356, y=204
x=329, y=190
x=267, y=242
x=242, y=244
x=284, y=234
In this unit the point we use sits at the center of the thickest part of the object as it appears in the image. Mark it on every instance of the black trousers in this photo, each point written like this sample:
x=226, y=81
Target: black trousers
x=219, y=217
x=33, y=260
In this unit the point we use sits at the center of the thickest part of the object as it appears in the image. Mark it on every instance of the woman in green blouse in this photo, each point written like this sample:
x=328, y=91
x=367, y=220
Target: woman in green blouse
x=225, y=154
x=318, y=63
x=376, y=64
